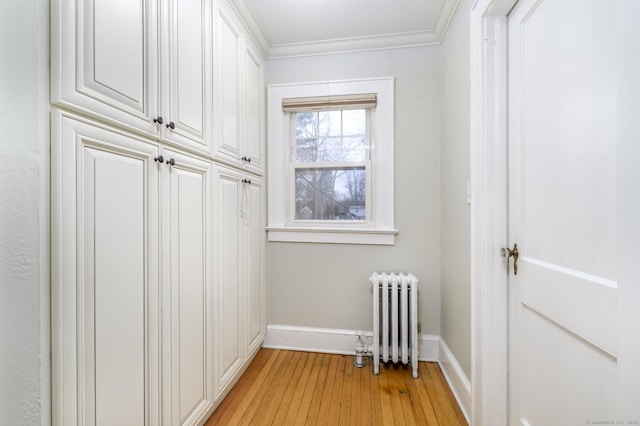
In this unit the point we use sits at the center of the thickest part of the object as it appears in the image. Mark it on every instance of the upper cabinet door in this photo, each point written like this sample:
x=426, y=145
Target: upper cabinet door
x=186, y=55
x=254, y=116
x=104, y=60
x=228, y=80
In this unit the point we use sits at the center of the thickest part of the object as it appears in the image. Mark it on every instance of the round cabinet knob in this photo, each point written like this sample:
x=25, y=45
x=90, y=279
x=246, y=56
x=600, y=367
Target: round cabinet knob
x=171, y=125
x=159, y=159
x=171, y=162
x=158, y=120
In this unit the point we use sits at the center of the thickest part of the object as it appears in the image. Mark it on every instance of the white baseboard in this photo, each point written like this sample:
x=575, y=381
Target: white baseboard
x=340, y=341
x=458, y=381
x=335, y=341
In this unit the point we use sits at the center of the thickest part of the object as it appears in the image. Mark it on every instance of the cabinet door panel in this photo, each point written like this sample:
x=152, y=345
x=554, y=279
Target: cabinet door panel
x=118, y=58
x=105, y=66
x=229, y=39
x=187, y=89
x=105, y=299
x=113, y=213
x=189, y=292
x=254, y=266
x=254, y=110
x=228, y=259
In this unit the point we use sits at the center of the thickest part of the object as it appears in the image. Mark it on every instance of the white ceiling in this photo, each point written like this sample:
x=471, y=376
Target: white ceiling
x=307, y=27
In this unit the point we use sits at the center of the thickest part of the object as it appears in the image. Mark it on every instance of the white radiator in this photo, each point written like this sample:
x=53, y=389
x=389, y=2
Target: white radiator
x=395, y=319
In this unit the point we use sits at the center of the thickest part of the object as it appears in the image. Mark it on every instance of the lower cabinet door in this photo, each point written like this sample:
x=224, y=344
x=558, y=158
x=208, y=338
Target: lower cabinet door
x=187, y=288
x=228, y=275
x=254, y=228
x=105, y=292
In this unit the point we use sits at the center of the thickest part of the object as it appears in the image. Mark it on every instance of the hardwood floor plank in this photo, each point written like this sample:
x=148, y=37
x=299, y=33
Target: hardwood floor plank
x=315, y=403
x=270, y=404
x=346, y=401
x=298, y=388
x=327, y=394
x=372, y=382
x=336, y=394
x=295, y=375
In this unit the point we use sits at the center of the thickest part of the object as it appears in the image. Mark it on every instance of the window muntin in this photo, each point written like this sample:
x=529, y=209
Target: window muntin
x=330, y=167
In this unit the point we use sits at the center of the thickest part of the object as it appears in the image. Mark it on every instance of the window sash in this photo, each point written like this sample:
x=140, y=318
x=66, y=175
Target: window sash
x=324, y=165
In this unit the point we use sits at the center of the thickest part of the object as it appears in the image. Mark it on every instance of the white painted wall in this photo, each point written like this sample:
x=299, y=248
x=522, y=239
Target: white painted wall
x=23, y=265
x=456, y=237
x=326, y=285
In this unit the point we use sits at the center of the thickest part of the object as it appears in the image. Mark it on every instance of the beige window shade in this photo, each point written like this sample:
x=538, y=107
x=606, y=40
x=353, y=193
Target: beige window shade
x=320, y=103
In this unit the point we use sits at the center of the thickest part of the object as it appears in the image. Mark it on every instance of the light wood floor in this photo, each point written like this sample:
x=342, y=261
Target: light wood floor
x=300, y=388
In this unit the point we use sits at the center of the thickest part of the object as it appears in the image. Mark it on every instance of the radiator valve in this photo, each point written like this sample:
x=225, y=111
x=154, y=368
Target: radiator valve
x=360, y=349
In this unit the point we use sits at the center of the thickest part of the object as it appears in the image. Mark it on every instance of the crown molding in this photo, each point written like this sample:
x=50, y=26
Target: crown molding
x=355, y=44
x=347, y=45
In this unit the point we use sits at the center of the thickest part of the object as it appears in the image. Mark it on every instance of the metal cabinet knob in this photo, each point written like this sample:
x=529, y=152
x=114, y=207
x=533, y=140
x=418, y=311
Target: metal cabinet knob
x=158, y=120
x=171, y=162
x=159, y=159
x=171, y=125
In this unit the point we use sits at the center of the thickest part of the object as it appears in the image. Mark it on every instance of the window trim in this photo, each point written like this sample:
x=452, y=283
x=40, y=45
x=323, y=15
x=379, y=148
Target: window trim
x=380, y=229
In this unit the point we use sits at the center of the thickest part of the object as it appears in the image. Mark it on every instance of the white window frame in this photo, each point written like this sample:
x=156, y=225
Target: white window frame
x=379, y=227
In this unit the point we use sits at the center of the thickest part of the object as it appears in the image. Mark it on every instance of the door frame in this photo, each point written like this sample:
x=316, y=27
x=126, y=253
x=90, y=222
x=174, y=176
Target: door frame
x=489, y=293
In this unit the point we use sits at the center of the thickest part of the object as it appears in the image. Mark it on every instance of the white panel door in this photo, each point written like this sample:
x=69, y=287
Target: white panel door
x=187, y=287
x=105, y=295
x=187, y=92
x=105, y=62
x=254, y=126
x=228, y=237
x=563, y=212
x=254, y=229
x=228, y=81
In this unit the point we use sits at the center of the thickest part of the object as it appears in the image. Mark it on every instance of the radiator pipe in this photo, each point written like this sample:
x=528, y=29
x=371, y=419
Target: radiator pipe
x=360, y=349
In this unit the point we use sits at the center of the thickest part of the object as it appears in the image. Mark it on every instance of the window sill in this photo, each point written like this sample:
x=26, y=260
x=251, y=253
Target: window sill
x=333, y=235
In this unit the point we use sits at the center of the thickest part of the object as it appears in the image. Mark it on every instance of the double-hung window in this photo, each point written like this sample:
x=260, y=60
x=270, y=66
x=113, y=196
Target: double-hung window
x=330, y=175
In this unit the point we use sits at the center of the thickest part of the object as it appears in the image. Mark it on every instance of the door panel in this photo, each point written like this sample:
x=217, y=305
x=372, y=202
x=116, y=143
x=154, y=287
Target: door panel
x=254, y=114
x=187, y=94
x=228, y=144
x=118, y=57
x=105, y=296
x=255, y=265
x=114, y=319
x=105, y=65
x=229, y=274
x=562, y=212
x=190, y=289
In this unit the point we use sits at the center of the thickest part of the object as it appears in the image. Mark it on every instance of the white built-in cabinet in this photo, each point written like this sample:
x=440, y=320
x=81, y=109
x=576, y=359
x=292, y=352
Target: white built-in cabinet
x=238, y=254
x=142, y=64
x=157, y=209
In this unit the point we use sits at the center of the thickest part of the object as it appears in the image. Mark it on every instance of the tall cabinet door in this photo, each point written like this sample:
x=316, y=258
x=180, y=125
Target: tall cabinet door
x=187, y=288
x=254, y=229
x=105, y=293
x=228, y=266
x=228, y=83
x=254, y=115
x=105, y=59
x=187, y=78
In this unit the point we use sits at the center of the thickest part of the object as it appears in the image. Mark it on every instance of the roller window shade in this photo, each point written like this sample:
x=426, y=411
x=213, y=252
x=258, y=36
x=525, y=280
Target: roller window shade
x=324, y=103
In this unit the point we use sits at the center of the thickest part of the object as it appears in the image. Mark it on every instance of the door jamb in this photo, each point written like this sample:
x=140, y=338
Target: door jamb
x=489, y=125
